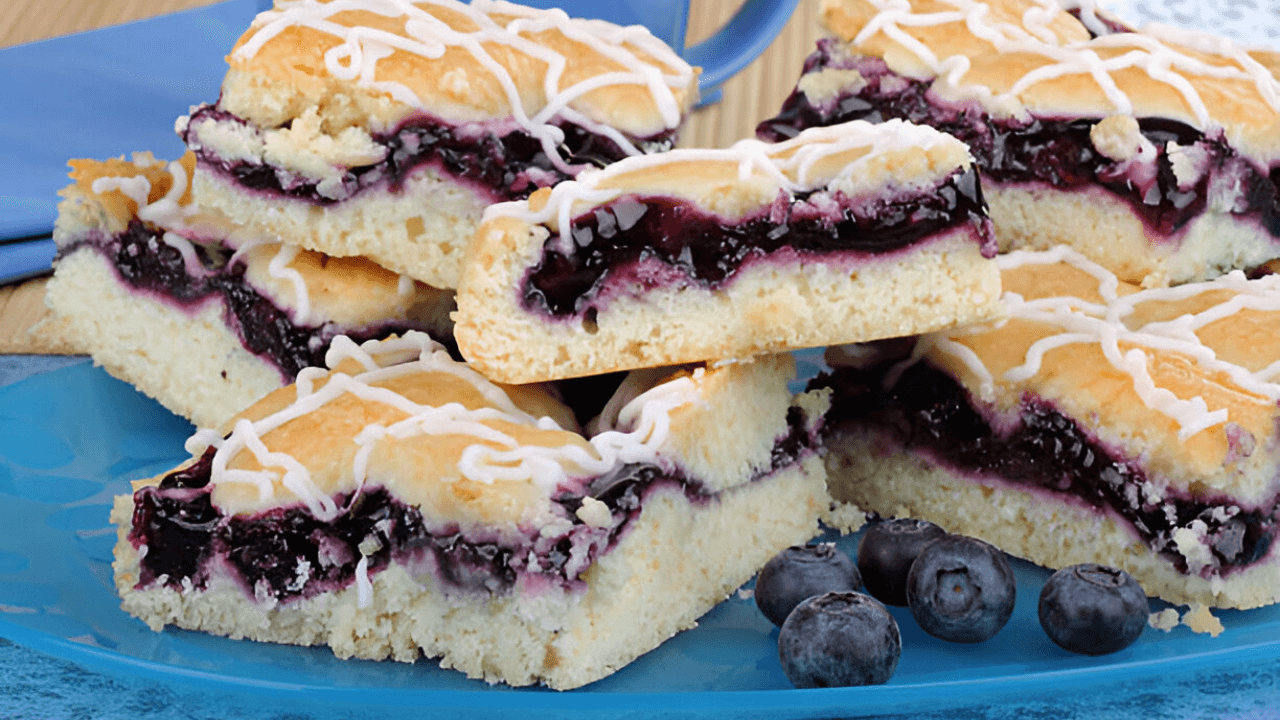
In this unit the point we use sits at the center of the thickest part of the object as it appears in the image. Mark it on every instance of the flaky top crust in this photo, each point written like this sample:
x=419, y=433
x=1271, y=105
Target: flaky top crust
x=858, y=159
x=1180, y=377
x=114, y=204
x=1020, y=57
x=106, y=195
x=401, y=415
x=372, y=63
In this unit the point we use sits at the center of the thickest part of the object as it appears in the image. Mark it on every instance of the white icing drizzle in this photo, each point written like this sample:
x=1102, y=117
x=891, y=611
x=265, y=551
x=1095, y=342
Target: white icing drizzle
x=356, y=58
x=1086, y=322
x=405, y=286
x=137, y=188
x=281, y=268
x=364, y=588
x=1159, y=51
x=189, y=259
x=788, y=163
x=167, y=212
x=646, y=419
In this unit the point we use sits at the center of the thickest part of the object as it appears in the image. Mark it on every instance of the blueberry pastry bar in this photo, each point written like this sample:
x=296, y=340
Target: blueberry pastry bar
x=1152, y=152
x=151, y=287
x=383, y=129
x=846, y=233
x=400, y=505
x=1101, y=422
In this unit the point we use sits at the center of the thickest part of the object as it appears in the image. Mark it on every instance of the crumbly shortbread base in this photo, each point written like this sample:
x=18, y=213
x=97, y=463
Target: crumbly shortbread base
x=674, y=564
x=1104, y=228
x=189, y=362
x=421, y=229
x=770, y=306
x=876, y=476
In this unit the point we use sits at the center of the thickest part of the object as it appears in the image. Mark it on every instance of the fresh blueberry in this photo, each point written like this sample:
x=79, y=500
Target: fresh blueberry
x=961, y=589
x=1093, y=609
x=886, y=552
x=839, y=639
x=799, y=573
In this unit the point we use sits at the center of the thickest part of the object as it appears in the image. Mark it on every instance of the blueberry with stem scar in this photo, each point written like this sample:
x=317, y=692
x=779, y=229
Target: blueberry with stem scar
x=961, y=589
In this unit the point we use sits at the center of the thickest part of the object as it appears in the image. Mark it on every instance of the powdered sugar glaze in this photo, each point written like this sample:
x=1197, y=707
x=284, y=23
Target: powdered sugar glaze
x=641, y=428
x=1180, y=60
x=356, y=57
x=1080, y=321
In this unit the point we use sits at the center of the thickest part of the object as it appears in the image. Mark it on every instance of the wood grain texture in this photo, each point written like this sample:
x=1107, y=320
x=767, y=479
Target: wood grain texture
x=749, y=97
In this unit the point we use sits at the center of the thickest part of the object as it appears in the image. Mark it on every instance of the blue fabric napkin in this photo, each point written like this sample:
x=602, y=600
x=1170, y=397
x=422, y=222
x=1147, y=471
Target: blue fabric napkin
x=102, y=94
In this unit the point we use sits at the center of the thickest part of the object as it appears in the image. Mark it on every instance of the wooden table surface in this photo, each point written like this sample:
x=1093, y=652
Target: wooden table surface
x=751, y=96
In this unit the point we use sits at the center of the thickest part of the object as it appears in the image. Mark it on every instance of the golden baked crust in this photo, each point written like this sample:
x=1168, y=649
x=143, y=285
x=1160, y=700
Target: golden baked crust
x=461, y=63
x=1017, y=57
x=1137, y=364
x=380, y=425
x=789, y=300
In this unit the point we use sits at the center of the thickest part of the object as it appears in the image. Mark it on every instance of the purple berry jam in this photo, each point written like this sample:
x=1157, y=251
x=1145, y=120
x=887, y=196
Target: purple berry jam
x=509, y=166
x=1057, y=152
x=149, y=264
x=286, y=553
x=927, y=411
x=615, y=238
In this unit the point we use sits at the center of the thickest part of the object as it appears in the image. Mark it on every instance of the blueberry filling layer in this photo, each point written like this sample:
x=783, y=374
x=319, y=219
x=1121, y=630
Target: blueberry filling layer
x=614, y=239
x=147, y=263
x=508, y=166
x=1054, y=151
x=927, y=411
x=286, y=553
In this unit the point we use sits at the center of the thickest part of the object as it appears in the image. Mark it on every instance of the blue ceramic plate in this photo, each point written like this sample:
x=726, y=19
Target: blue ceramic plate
x=73, y=438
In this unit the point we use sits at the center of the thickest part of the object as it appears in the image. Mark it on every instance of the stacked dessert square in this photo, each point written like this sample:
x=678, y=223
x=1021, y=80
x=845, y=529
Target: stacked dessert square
x=203, y=316
x=1124, y=411
x=599, y=461
x=400, y=503
x=384, y=129
x=1158, y=145
x=843, y=234
x=361, y=141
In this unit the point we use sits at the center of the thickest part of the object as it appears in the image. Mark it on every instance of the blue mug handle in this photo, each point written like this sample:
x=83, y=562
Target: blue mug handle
x=751, y=29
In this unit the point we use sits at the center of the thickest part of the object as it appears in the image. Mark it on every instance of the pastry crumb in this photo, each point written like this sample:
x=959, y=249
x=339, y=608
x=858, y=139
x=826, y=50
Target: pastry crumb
x=1201, y=620
x=845, y=518
x=1165, y=620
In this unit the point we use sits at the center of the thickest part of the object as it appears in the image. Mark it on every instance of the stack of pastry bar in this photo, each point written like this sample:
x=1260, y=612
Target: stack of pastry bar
x=610, y=448
x=1125, y=410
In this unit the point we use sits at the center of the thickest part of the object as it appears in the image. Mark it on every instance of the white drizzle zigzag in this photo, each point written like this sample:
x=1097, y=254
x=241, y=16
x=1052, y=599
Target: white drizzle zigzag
x=428, y=37
x=788, y=163
x=646, y=422
x=167, y=212
x=172, y=216
x=1086, y=322
x=1155, y=50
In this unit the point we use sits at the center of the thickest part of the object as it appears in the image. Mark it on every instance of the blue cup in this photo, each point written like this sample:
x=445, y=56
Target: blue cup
x=755, y=24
